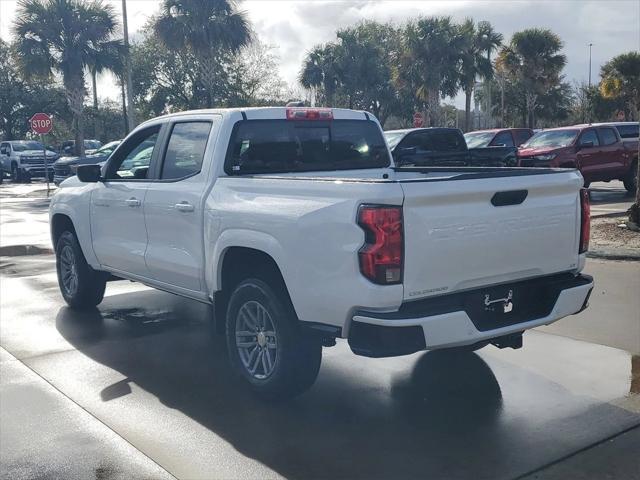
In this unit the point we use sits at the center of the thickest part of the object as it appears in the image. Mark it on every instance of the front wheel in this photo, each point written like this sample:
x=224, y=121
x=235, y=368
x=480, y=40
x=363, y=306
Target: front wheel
x=81, y=286
x=16, y=174
x=631, y=180
x=266, y=345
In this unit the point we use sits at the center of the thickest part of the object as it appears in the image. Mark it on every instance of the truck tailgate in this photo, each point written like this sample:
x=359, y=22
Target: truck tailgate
x=457, y=239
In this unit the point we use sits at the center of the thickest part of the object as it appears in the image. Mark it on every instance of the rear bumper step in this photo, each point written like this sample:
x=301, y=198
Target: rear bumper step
x=464, y=318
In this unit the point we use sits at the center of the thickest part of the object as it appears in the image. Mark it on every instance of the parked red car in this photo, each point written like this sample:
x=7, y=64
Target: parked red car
x=597, y=151
x=498, y=137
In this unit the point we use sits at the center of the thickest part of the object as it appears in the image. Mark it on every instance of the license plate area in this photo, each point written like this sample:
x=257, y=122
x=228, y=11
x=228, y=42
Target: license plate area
x=508, y=304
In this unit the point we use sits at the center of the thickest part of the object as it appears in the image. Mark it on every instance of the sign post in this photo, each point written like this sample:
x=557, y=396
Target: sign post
x=41, y=124
x=418, y=120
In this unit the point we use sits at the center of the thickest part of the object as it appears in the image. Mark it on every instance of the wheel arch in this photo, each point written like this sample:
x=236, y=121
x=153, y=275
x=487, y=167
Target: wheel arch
x=237, y=263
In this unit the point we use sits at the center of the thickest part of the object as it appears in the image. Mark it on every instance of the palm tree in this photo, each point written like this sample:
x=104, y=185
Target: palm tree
x=107, y=56
x=533, y=60
x=475, y=59
x=319, y=73
x=429, y=62
x=621, y=80
x=61, y=36
x=209, y=29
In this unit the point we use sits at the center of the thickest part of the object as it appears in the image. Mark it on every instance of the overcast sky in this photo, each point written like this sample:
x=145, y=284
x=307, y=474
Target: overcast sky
x=294, y=26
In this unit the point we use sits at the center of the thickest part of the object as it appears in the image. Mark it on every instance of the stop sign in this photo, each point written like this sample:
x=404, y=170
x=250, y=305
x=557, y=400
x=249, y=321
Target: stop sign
x=418, y=119
x=41, y=123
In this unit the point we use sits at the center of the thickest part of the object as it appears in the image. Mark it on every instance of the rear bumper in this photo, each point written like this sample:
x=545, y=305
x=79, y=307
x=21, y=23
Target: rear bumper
x=451, y=321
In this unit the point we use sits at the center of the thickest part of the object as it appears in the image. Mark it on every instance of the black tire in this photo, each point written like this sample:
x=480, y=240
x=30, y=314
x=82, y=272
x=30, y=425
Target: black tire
x=295, y=355
x=16, y=173
x=88, y=289
x=630, y=181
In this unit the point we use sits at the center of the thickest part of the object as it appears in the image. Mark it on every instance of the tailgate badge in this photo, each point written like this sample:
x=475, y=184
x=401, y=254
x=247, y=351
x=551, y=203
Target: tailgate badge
x=507, y=305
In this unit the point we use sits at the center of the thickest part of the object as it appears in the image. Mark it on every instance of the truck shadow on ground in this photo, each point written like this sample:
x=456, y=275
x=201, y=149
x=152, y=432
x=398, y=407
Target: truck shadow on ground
x=356, y=421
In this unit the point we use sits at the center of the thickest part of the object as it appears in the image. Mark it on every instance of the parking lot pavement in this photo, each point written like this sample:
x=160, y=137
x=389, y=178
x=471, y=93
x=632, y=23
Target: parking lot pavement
x=609, y=198
x=24, y=217
x=44, y=434
x=144, y=365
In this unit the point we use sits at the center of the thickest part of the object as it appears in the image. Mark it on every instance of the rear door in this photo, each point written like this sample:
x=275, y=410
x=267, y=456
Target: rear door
x=503, y=139
x=612, y=161
x=118, y=228
x=467, y=233
x=174, y=203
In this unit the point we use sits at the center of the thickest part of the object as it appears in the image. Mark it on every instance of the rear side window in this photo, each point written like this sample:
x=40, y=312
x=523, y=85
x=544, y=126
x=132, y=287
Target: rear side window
x=503, y=139
x=278, y=146
x=607, y=136
x=589, y=136
x=185, y=150
x=628, y=131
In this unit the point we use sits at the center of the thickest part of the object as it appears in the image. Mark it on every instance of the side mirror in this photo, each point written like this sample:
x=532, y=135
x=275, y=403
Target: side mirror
x=585, y=145
x=3, y=151
x=88, y=173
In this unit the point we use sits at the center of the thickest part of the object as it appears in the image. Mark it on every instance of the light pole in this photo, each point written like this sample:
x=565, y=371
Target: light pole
x=127, y=66
x=590, y=45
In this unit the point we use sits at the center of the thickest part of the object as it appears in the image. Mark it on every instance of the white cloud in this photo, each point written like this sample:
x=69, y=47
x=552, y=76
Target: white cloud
x=296, y=26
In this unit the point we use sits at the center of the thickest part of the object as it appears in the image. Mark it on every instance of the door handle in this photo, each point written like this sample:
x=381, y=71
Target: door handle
x=184, y=207
x=132, y=202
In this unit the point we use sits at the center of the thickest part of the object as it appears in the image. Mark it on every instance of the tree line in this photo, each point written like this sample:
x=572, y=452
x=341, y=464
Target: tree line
x=394, y=71
x=196, y=54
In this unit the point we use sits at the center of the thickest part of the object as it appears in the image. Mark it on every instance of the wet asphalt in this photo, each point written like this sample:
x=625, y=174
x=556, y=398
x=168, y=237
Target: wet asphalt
x=139, y=388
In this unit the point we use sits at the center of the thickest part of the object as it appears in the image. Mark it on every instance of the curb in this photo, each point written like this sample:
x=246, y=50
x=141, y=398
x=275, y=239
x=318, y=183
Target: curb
x=610, y=215
x=22, y=250
x=627, y=255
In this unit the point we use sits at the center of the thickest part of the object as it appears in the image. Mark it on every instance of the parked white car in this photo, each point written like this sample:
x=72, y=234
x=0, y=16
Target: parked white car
x=292, y=223
x=25, y=159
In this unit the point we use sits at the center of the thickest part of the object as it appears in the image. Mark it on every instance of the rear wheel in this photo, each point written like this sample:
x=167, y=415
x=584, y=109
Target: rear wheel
x=16, y=173
x=81, y=286
x=631, y=180
x=266, y=345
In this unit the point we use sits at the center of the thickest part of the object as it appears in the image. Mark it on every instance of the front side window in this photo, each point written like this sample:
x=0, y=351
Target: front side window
x=133, y=159
x=521, y=136
x=279, y=146
x=185, y=150
x=607, y=136
x=589, y=137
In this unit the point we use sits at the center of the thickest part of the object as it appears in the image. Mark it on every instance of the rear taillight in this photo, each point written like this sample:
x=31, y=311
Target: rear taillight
x=309, y=114
x=585, y=222
x=381, y=255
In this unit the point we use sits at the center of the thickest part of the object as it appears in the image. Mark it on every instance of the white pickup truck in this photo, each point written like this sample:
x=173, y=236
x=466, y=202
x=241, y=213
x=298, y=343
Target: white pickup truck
x=294, y=226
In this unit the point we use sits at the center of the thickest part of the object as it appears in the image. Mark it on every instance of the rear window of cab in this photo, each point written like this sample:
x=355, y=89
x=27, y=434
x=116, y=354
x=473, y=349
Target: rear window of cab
x=282, y=146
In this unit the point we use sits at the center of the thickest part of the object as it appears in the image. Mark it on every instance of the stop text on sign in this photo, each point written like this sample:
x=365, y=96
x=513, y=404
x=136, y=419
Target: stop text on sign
x=41, y=123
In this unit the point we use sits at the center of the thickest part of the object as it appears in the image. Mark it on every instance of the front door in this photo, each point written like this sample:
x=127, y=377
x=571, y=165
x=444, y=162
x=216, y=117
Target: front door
x=588, y=155
x=174, y=204
x=117, y=205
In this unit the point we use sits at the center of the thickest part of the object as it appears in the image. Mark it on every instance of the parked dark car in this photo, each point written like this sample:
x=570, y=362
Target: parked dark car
x=596, y=150
x=90, y=146
x=443, y=147
x=498, y=137
x=66, y=167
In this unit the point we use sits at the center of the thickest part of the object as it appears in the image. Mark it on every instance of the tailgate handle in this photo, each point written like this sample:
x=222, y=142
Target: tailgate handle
x=511, y=197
